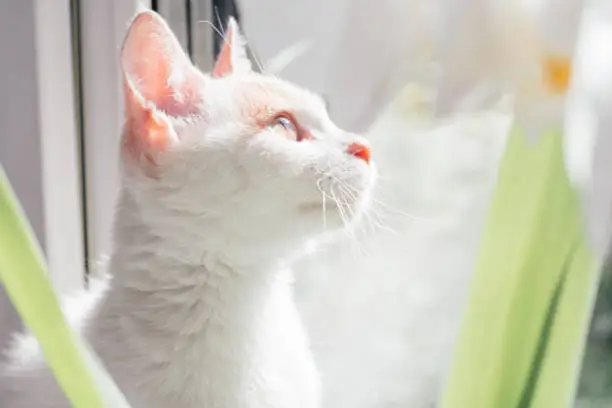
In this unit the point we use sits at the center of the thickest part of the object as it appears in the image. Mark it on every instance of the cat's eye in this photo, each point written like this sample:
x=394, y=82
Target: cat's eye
x=289, y=124
x=286, y=123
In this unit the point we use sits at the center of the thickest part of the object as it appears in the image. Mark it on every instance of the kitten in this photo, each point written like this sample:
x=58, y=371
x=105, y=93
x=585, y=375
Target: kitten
x=225, y=178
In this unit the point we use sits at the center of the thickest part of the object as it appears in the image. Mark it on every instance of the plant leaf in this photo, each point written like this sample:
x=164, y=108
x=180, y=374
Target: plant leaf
x=524, y=327
x=23, y=273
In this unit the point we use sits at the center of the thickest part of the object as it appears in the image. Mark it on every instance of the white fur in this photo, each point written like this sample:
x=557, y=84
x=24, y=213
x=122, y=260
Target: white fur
x=199, y=309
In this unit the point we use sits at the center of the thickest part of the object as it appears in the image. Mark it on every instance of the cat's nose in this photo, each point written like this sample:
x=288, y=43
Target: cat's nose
x=359, y=150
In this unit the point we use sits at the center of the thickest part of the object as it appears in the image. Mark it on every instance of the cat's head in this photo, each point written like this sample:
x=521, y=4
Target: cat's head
x=252, y=157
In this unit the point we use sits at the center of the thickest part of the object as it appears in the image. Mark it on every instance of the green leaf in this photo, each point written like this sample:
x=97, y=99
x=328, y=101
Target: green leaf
x=23, y=273
x=524, y=326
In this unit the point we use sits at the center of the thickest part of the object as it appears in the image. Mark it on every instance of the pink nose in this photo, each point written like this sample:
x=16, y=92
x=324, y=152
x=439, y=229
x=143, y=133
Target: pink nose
x=360, y=151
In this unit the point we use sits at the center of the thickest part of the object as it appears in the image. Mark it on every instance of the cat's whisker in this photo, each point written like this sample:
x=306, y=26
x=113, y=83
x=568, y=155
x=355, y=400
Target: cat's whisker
x=340, y=207
x=356, y=243
x=370, y=212
x=371, y=223
x=219, y=20
x=381, y=219
x=374, y=224
x=348, y=195
x=215, y=29
x=324, y=202
x=394, y=210
x=380, y=222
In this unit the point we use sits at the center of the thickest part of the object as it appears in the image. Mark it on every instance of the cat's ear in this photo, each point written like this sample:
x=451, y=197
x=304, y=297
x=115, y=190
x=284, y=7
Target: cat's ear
x=233, y=57
x=159, y=82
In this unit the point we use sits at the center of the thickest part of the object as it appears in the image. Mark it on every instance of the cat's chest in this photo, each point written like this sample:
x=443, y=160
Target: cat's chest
x=275, y=375
x=263, y=364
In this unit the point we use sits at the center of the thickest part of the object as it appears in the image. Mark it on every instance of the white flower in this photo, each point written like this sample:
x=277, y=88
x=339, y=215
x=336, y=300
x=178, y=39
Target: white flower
x=519, y=46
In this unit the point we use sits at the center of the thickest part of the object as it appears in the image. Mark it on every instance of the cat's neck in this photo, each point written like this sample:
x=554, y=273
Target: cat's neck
x=166, y=311
x=173, y=267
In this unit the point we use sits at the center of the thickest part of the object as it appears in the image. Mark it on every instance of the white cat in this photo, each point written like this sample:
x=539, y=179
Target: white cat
x=225, y=178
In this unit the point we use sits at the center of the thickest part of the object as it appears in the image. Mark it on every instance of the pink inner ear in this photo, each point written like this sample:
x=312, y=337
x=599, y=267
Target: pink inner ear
x=146, y=133
x=156, y=67
x=223, y=66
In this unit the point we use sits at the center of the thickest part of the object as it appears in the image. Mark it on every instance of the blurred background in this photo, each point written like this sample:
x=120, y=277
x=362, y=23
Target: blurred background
x=383, y=306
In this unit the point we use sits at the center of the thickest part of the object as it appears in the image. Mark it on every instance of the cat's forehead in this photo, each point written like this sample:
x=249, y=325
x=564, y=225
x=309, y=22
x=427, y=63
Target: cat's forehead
x=276, y=94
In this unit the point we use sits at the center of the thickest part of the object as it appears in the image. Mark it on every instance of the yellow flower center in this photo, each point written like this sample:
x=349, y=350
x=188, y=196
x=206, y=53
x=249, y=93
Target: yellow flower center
x=557, y=73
